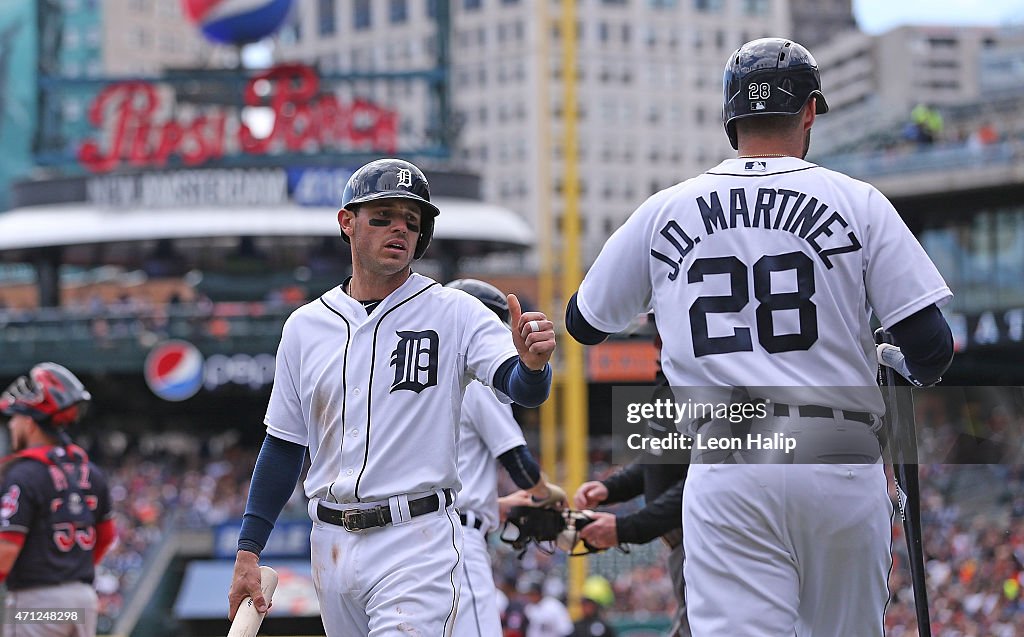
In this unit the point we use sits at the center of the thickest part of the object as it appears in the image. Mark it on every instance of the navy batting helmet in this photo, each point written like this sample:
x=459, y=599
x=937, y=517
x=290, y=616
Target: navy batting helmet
x=770, y=76
x=489, y=295
x=50, y=395
x=391, y=179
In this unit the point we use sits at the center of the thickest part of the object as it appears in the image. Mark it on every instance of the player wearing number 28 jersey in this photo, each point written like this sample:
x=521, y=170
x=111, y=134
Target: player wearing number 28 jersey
x=764, y=272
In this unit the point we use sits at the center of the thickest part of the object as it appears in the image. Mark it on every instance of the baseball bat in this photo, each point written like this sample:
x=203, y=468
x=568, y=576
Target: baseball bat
x=899, y=406
x=248, y=619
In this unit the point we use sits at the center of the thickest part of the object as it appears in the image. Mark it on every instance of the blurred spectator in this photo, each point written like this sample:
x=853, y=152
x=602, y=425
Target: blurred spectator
x=596, y=595
x=512, y=606
x=548, y=616
x=928, y=122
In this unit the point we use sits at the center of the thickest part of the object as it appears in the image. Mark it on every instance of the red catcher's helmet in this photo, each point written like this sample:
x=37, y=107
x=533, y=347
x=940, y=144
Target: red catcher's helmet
x=49, y=394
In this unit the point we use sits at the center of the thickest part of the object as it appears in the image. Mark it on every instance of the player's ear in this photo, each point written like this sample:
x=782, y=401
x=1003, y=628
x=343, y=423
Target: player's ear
x=810, y=110
x=347, y=221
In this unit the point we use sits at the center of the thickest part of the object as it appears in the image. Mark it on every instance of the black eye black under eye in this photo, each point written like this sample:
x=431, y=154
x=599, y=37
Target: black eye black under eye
x=380, y=222
x=415, y=227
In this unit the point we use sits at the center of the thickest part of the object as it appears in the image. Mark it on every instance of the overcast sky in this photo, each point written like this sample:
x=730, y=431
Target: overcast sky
x=876, y=16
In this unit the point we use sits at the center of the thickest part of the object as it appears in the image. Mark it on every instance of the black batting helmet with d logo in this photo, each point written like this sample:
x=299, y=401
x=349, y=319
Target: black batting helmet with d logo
x=393, y=179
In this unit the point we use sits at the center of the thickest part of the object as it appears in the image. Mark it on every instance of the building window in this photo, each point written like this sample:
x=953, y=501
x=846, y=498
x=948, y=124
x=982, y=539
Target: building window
x=325, y=17
x=756, y=7
x=361, y=16
x=471, y=5
x=432, y=9
x=602, y=31
x=399, y=11
x=708, y=5
x=662, y=4
x=509, y=1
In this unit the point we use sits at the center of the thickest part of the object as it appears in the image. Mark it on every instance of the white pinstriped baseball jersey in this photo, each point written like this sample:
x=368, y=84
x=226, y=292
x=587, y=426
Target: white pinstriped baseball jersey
x=377, y=398
x=763, y=272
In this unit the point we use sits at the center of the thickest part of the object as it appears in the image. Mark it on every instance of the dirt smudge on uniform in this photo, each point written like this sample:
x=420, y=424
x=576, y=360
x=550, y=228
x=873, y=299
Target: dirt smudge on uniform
x=335, y=553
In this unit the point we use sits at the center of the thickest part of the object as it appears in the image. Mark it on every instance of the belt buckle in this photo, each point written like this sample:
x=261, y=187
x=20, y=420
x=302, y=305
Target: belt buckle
x=356, y=520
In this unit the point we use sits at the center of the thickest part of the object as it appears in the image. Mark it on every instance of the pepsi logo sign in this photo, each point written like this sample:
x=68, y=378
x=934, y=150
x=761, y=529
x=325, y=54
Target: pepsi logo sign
x=174, y=370
x=237, y=21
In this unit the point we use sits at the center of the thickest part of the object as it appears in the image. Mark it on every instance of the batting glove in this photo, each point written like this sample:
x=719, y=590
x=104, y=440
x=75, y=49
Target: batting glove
x=555, y=499
x=892, y=356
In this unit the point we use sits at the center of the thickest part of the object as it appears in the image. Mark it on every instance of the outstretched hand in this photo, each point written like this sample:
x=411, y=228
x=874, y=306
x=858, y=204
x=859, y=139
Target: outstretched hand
x=533, y=335
x=590, y=494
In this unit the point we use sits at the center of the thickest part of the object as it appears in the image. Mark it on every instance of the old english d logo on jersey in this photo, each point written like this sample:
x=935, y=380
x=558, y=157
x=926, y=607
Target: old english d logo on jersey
x=415, y=361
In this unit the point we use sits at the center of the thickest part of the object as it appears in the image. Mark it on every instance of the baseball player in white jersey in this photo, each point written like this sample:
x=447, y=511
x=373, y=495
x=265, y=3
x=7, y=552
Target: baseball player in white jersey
x=488, y=435
x=770, y=266
x=370, y=379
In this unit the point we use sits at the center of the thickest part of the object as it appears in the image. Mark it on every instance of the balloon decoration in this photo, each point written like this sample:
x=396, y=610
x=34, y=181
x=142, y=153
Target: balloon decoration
x=236, y=21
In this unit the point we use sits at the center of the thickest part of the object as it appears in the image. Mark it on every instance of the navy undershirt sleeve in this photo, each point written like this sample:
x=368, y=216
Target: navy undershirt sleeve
x=927, y=343
x=525, y=386
x=579, y=328
x=273, y=480
x=521, y=466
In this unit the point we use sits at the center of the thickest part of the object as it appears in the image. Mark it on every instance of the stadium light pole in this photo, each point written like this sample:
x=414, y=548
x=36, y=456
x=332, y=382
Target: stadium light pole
x=575, y=384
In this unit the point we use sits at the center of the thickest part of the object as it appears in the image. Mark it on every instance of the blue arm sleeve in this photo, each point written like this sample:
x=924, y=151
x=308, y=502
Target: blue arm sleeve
x=578, y=327
x=927, y=343
x=277, y=469
x=527, y=387
x=521, y=466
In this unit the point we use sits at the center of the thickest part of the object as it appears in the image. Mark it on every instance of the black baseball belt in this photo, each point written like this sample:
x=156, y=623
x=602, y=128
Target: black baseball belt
x=372, y=517
x=817, y=411
x=477, y=522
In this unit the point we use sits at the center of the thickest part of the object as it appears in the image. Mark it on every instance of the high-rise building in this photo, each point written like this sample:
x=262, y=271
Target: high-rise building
x=144, y=37
x=873, y=82
x=818, y=21
x=648, y=84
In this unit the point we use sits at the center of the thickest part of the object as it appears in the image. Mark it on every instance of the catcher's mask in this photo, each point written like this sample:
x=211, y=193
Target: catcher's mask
x=548, y=529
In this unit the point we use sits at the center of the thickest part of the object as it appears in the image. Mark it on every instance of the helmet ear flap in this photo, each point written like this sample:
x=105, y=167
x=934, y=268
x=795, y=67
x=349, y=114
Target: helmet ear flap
x=426, y=233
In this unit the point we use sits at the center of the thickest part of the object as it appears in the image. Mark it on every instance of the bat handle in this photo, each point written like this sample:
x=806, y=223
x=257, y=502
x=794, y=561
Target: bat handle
x=247, y=618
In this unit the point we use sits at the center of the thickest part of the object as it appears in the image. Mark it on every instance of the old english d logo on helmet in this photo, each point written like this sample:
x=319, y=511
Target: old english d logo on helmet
x=393, y=179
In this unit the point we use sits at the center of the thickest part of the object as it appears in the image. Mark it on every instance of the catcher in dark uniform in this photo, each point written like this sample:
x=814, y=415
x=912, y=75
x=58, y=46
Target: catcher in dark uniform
x=55, y=517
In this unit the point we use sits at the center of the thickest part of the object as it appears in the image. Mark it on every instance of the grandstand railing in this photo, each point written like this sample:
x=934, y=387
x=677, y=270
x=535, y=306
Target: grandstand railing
x=947, y=157
x=118, y=340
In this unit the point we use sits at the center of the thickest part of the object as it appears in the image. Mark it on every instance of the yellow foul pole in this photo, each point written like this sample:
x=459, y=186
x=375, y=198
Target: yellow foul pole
x=574, y=399
x=545, y=232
